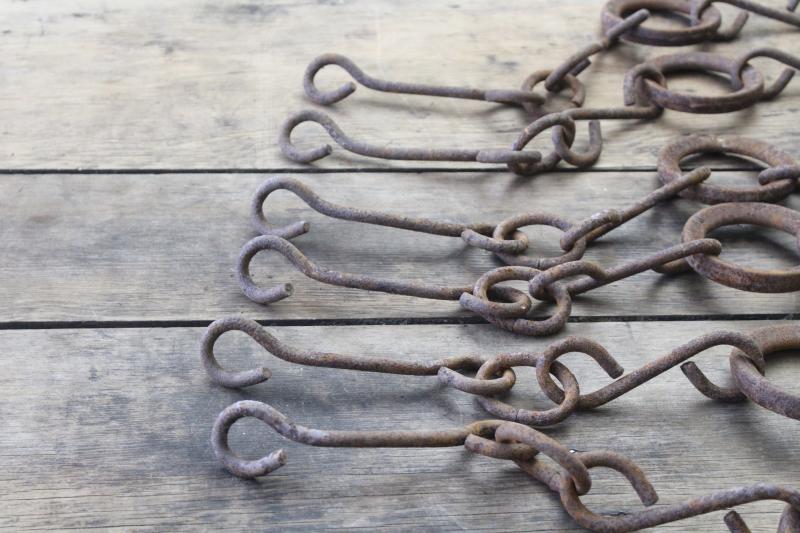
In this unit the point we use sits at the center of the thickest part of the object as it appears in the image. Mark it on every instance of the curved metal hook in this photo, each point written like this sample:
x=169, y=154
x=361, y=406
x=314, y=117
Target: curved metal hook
x=253, y=329
x=698, y=6
x=404, y=154
x=783, y=78
x=501, y=96
x=655, y=516
x=579, y=61
x=318, y=437
x=332, y=277
x=366, y=216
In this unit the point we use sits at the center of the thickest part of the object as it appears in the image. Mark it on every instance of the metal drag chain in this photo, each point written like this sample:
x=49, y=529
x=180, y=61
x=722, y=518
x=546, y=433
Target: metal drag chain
x=696, y=253
x=495, y=374
x=505, y=241
x=646, y=95
x=570, y=479
x=565, y=75
x=704, y=20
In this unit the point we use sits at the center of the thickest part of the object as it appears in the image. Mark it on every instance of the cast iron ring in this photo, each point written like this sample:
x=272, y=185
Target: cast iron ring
x=500, y=364
x=751, y=79
x=511, y=225
x=571, y=82
x=669, y=160
x=705, y=30
x=738, y=277
x=753, y=384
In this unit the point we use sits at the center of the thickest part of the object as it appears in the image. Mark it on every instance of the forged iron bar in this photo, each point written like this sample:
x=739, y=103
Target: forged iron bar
x=554, y=79
x=569, y=478
x=697, y=253
x=495, y=374
x=646, y=95
x=777, y=181
x=787, y=17
x=579, y=61
x=502, y=96
x=504, y=240
x=704, y=21
x=386, y=152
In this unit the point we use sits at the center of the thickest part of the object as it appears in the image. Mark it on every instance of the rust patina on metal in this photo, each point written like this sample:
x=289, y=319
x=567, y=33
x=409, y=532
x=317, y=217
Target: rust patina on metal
x=310, y=155
x=781, y=181
x=555, y=79
x=751, y=91
x=646, y=95
x=503, y=96
x=568, y=475
x=703, y=20
x=697, y=253
x=739, y=277
x=495, y=375
x=507, y=307
x=505, y=239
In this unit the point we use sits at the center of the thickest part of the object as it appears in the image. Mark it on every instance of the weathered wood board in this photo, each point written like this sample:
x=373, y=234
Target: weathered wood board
x=150, y=247
x=108, y=428
x=85, y=84
x=134, y=135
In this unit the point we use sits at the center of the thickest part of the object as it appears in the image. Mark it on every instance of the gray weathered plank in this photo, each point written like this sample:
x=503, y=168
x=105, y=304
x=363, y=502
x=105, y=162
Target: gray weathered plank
x=109, y=429
x=150, y=247
x=85, y=84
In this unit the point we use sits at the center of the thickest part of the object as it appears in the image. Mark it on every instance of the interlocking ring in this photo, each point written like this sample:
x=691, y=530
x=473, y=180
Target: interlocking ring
x=496, y=313
x=753, y=384
x=738, y=277
x=670, y=157
x=572, y=83
x=704, y=30
x=511, y=226
x=752, y=84
x=501, y=363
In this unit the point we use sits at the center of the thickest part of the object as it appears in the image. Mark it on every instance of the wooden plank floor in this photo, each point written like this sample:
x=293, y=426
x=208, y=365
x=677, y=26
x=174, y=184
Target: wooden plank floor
x=133, y=137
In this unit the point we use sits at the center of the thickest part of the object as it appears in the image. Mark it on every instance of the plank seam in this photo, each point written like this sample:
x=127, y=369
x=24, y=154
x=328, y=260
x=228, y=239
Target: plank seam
x=363, y=170
x=379, y=321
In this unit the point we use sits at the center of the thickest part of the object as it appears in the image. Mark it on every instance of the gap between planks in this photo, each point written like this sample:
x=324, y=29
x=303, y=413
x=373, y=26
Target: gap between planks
x=359, y=170
x=380, y=321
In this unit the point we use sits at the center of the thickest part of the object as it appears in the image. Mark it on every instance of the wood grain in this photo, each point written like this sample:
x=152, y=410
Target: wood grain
x=86, y=84
x=108, y=428
x=148, y=247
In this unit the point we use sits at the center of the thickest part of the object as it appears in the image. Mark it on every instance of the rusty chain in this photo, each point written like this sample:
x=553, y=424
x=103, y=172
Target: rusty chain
x=646, y=95
x=507, y=307
x=495, y=375
x=645, y=91
x=569, y=477
x=704, y=21
x=563, y=76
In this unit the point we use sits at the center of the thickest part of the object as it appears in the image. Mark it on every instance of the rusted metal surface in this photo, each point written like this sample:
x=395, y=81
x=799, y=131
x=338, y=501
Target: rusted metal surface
x=779, y=55
x=751, y=91
x=341, y=279
x=706, y=29
x=670, y=157
x=504, y=239
x=704, y=22
x=739, y=277
x=569, y=474
x=507, y=307
x=646, y=95
x=787, y=17
x=503, y=96
x=752, y=382
x=579, y=61
x=310, y=155
x=494, y=374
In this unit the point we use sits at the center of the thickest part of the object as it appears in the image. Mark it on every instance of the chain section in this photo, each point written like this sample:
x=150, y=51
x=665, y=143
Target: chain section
x=494, y=375
x=568, y=475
